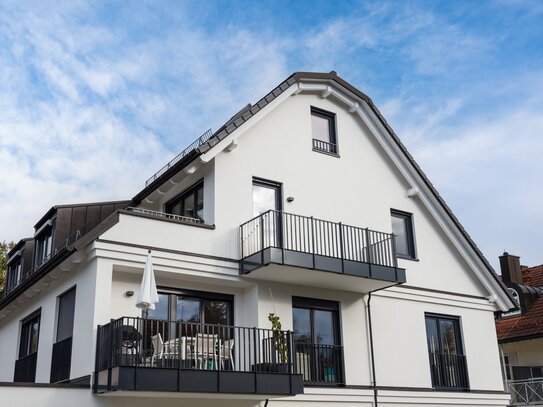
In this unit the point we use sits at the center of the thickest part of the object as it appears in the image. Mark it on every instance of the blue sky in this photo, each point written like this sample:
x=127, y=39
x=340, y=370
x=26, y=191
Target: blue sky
x=96, y=96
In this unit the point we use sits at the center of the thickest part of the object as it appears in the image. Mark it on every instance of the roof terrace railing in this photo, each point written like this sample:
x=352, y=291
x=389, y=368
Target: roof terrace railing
x=164, y=215
x=193, y=146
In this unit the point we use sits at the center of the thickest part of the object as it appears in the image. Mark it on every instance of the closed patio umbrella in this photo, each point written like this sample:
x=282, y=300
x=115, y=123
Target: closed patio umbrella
x=148, y=295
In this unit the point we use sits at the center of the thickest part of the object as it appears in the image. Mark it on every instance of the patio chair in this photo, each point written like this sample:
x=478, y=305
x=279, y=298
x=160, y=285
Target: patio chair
x=161, y=350
x=205, y=350
x=227, y=353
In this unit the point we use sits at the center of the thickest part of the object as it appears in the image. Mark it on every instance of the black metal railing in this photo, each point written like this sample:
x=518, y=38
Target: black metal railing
x=25, y=368
x=61, y=360
x=449, y=372
x=325, y=147
x=139, y=342
x=204, y=138
x=318, y=237
x=320, y=365
x=164, y=215
x=527, y=372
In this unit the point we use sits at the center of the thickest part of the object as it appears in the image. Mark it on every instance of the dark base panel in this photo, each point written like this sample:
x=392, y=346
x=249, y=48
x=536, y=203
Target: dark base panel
x=321, y=263
x=197, y=381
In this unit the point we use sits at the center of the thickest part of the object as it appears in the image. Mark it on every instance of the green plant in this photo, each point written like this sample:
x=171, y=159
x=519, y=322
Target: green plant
x=280, y=342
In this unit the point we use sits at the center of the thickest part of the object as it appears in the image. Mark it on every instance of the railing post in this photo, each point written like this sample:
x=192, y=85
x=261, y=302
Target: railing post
x=262, y=238
x=368, y=251
x=313, y=240
x=394, y=257
x=341, y=247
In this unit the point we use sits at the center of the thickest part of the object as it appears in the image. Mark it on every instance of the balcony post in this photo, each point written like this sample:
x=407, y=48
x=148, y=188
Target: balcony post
x=313, y=249
x=341, y=247
x=368, y=251
x=262, y=238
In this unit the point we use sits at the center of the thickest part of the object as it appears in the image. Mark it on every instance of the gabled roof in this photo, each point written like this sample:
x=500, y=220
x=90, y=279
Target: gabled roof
x=247, y=114
x=530, y=323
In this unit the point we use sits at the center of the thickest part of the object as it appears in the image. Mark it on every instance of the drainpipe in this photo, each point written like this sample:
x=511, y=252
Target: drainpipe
x=370, y=331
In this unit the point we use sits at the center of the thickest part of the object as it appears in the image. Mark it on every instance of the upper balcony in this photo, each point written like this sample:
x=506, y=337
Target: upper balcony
x=293, y=247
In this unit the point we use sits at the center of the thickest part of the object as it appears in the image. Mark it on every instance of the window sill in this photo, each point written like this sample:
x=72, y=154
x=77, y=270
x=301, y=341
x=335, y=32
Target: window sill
x=318, y=150
x=404, y=257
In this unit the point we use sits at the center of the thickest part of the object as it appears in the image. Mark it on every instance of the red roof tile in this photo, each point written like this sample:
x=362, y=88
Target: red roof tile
x=529, y=323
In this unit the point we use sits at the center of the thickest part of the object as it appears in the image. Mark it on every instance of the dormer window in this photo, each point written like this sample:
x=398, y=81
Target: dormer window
x=323, y=131
x=44, y=243
x=516, y=297
x=15, y=273
x=190, y=203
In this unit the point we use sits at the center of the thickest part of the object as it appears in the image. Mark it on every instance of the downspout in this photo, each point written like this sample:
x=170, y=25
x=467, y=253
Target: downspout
x=372, y=355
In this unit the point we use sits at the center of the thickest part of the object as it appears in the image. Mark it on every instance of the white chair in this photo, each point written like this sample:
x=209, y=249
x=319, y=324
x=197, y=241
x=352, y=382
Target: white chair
x=227, y=350
x=162, y=350
x=205, y=350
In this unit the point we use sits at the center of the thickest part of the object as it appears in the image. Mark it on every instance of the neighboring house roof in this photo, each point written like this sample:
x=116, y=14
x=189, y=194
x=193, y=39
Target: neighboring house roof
x=533, y=276
x=529, y=324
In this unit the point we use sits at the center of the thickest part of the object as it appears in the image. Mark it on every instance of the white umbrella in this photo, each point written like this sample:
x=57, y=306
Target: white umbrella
x=148, y=295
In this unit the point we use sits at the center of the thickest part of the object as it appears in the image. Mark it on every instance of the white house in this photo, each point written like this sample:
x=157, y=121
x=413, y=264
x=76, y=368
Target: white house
x=305, y=205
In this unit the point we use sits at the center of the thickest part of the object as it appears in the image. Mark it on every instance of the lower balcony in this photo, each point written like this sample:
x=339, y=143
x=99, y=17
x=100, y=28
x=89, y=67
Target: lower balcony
x=136, y=354
x=279, y=246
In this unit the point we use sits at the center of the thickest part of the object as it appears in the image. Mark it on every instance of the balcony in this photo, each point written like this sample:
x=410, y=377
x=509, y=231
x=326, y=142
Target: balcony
x=314, y=251
x=526, y=392
x=135, y=354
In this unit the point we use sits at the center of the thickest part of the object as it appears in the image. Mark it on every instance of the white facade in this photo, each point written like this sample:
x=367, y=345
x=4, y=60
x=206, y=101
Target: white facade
x=359, y=187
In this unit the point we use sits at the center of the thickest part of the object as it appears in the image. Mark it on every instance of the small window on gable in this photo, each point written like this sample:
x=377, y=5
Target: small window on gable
x=189, y=204
x=402, y=228
x=323, y=131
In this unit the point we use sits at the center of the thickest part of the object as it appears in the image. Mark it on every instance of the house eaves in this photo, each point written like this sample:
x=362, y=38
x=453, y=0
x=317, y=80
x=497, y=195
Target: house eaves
x=332, y=77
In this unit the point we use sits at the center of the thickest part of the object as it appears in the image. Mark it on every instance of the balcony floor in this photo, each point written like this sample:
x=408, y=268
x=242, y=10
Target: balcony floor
x=254, y=385
x=286, y=266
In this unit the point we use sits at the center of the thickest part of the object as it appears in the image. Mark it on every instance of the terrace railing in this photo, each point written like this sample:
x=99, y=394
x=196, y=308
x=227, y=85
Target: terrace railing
x=204, y=138
x=526, y=392
x=317, y=237
x=139, y=342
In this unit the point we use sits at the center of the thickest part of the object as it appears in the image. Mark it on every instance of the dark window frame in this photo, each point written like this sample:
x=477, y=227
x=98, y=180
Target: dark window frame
x=42, y=252
x=322, y=305
x=331, y=146
x=202, y=296
x=407, y=217
x=11, y=270
x=266, y=183
x=459, y=342
x=26, y=334
x=180, y=199
x=59, y=300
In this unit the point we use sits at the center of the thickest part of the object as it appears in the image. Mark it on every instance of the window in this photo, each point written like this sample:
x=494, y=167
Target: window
x=267, y=196
x=317, y=340
x=65, y=317
x=30, y=332
x=44, y=244
x=15, y=274
x=447, y=360
x=323, y=131
x=25, y=366
x=190, y=203
x=402, y=228
x=61, y=359
x=194, y=306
